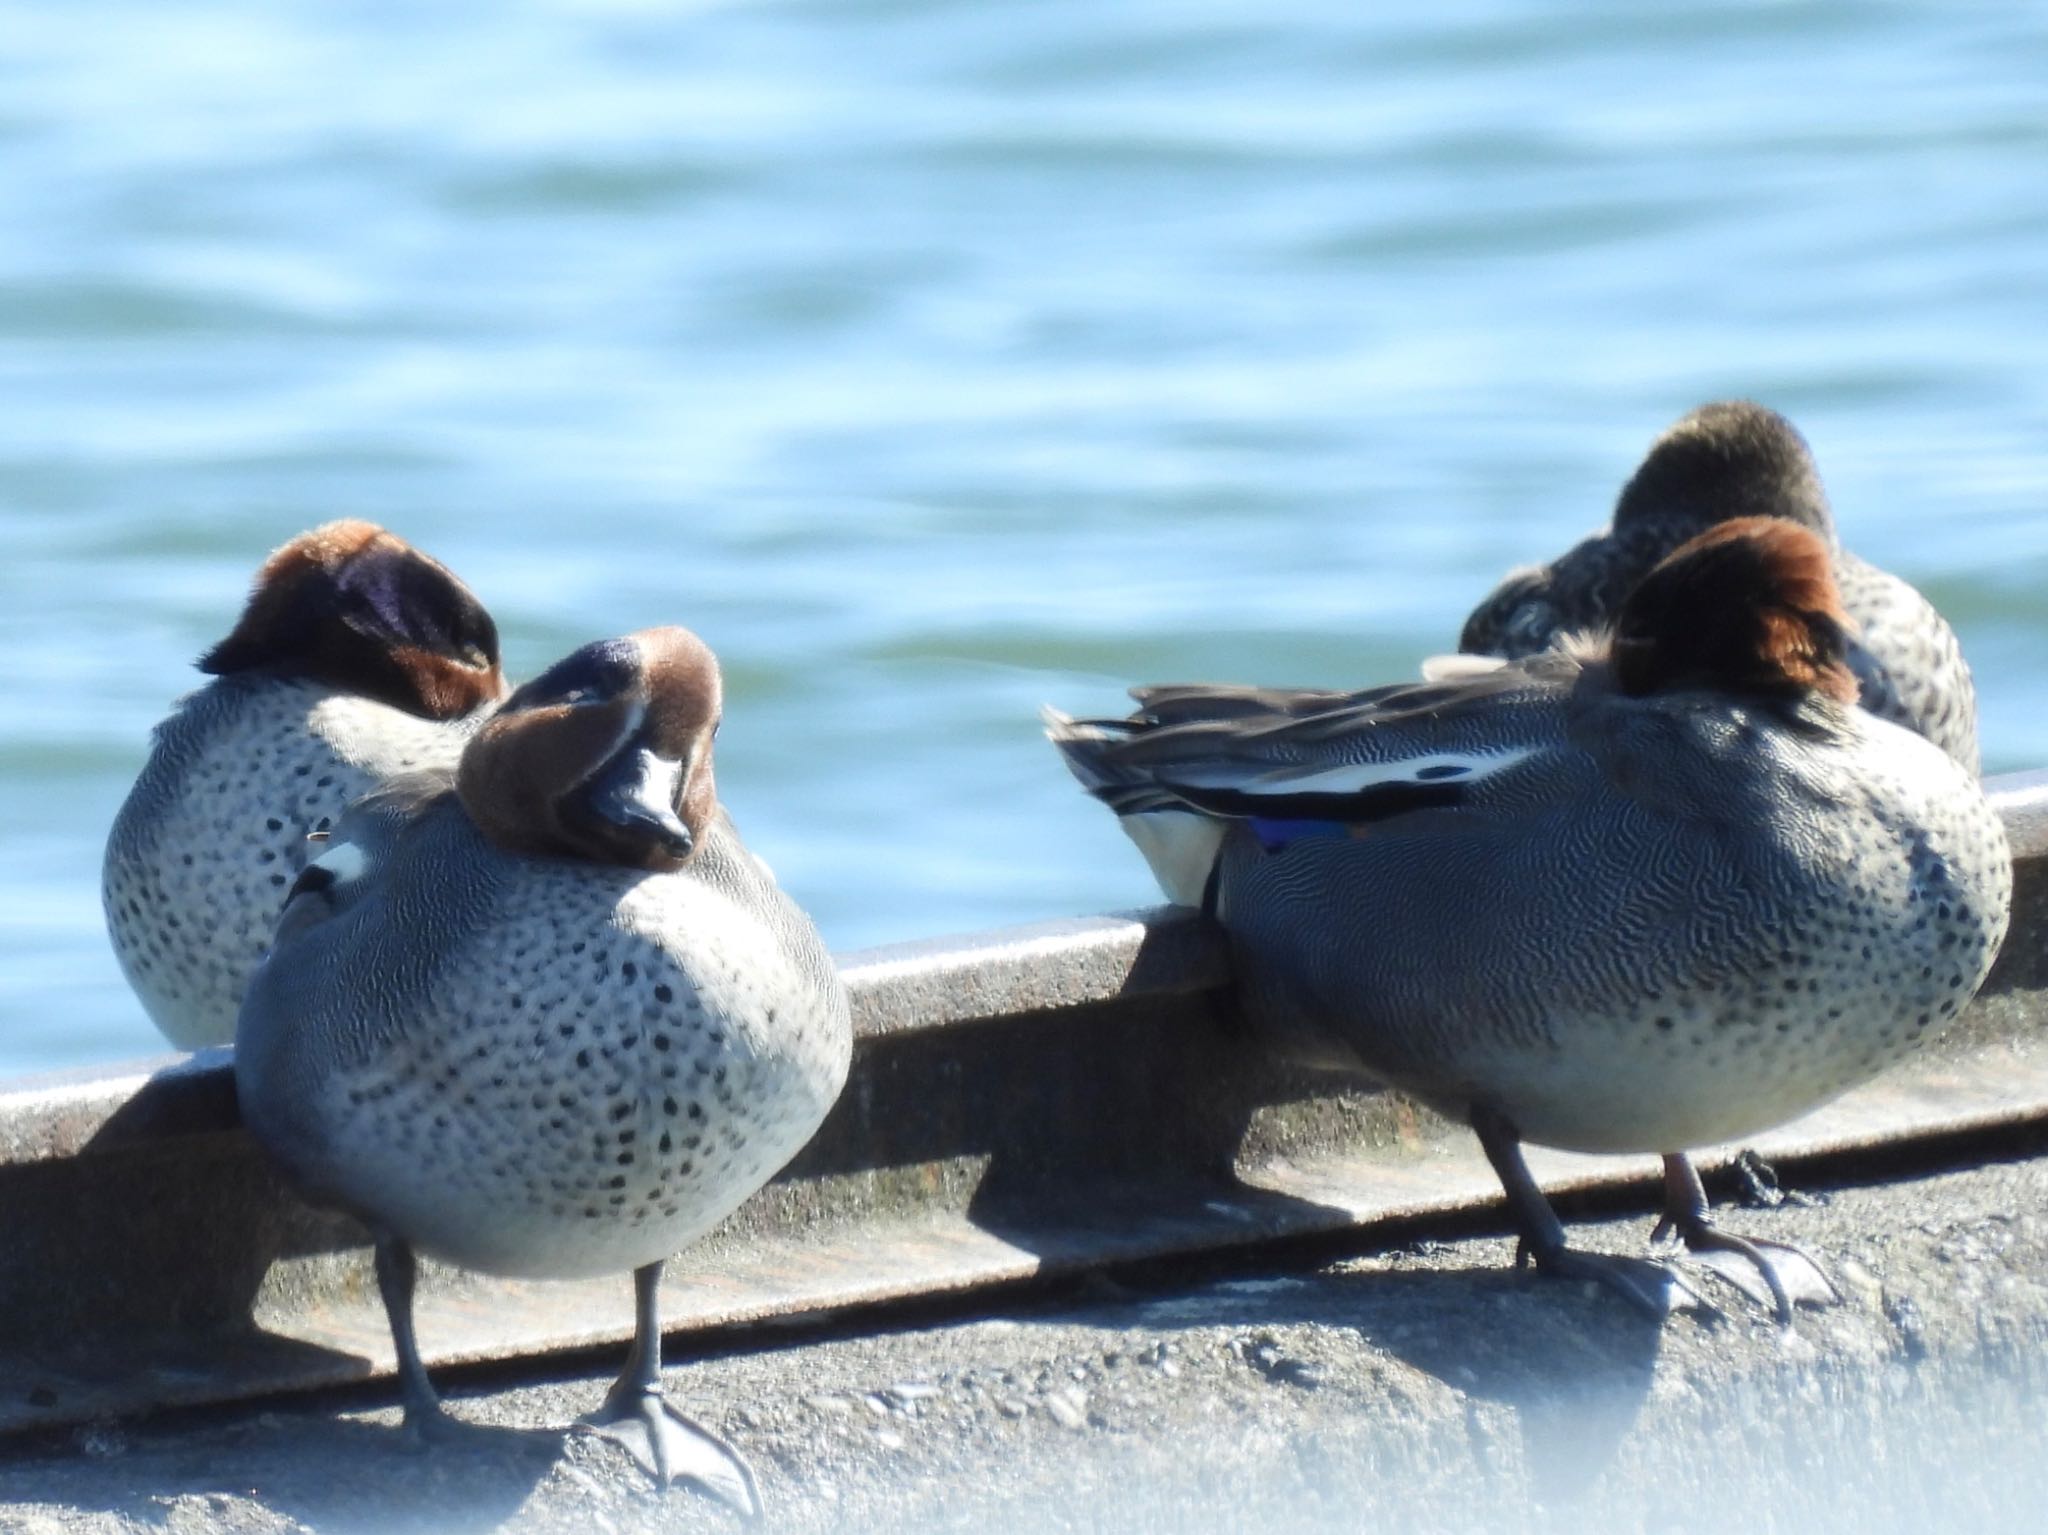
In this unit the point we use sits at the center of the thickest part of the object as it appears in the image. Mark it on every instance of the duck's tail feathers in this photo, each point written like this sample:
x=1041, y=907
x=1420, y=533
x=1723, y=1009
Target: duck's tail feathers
x=1181, y=846
x=1180, y=843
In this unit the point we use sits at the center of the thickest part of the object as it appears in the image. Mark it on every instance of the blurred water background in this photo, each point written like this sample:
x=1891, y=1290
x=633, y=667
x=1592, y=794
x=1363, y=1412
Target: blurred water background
x=940, y=358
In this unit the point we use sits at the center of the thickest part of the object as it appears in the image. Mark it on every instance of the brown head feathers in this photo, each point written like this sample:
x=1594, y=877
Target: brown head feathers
x=1748, y=606
x=356, y=608
x=605, y=756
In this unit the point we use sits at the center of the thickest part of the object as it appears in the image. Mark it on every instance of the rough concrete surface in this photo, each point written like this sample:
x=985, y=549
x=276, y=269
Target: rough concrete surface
x=1425, y=1388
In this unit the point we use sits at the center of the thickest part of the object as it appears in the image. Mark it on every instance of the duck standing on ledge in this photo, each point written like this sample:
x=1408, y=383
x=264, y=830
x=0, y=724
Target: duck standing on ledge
x=547, y=1016
x=1722, y=461
x=1644, y=892
x=357, y=658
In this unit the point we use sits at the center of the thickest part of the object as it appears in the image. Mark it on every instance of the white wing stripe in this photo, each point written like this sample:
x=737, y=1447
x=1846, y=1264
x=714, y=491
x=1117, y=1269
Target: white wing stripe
x=345, y=861
x=1456, y=769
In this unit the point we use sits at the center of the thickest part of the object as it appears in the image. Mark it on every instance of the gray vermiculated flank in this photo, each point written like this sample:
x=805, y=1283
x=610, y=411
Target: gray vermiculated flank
x=213, y=833
x=1680, y=920
x=540, y=1066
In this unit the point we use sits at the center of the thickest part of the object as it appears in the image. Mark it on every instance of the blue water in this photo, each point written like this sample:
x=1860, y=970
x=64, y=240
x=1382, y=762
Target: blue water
x=936, y=360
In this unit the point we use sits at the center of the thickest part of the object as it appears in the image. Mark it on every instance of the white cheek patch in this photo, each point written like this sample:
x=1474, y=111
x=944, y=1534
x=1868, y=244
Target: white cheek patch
x=344, y=861
x=1448, y=768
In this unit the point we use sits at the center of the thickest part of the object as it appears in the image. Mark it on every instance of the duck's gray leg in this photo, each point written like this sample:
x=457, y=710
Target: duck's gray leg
x=1650, y=1287
x=667, y=1443
x=397, y=1270
x=1789, y=1273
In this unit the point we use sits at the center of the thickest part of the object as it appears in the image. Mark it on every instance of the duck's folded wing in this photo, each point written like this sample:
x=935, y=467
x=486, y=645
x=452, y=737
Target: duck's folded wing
x=1358, y=757
x=1181, y=702
x=1176, y=703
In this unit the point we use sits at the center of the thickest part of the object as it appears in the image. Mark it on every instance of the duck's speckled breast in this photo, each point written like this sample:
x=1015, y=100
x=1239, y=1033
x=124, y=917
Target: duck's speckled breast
x=214, y=832
x=607, y=1065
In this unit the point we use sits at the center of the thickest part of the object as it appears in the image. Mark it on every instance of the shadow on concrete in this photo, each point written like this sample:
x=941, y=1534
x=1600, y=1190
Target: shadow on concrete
x=137, y=1266
x=1150, y=1113
x=334, y=1475
x=1571, y=1370
x=1552, y=1377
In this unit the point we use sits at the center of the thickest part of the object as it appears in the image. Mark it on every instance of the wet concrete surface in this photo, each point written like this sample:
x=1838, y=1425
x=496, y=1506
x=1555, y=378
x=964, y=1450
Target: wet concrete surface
x=1425, y=1388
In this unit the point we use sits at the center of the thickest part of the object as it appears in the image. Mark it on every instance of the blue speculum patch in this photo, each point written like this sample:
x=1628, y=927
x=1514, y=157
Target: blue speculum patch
x=1274, y=835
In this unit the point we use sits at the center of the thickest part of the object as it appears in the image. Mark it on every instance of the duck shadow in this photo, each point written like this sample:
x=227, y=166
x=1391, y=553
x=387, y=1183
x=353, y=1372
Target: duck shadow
x=1053, y=1128
x=1568, y=1372
x=140, y=1263
x=1544, y=1380
x=1135, y=1132
x=337, y=1474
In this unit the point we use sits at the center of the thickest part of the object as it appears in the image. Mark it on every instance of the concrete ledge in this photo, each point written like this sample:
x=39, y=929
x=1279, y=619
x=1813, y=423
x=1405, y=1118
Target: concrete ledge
x=1024, y=1102
x=1422, y=1387
x=897, y=989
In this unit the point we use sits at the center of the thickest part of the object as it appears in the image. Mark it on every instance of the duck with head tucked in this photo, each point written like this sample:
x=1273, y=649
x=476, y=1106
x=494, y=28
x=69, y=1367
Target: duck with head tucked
x=1723, y=461
x=1649, y=891
x=357, y=657
x=546, y=1015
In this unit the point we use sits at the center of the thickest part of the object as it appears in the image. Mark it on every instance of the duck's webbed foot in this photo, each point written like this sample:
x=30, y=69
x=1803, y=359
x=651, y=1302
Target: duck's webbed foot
x=672, y=1446
x=1653, y=1288
x=1774, y=1274
x=428, y=1423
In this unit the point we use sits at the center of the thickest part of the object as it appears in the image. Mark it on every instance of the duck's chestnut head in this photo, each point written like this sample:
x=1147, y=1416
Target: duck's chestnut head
x=604, y=756
x=1749, y=606
x=355, y=607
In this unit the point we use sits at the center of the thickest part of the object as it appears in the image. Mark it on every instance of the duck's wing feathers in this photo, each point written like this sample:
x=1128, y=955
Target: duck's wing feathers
x=1185, y=702
x=1350, y=757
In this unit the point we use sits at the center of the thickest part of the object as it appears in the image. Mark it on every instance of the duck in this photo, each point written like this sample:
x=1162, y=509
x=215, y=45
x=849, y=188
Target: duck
x=356, y=657
x=1725, y=460
x=546, y=1016
x=1660, y=887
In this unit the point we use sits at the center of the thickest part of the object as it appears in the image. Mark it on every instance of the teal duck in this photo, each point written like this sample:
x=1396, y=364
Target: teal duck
x=356, y=658
x=545, y=1015
x=1650, y=890
x=1722, y=461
